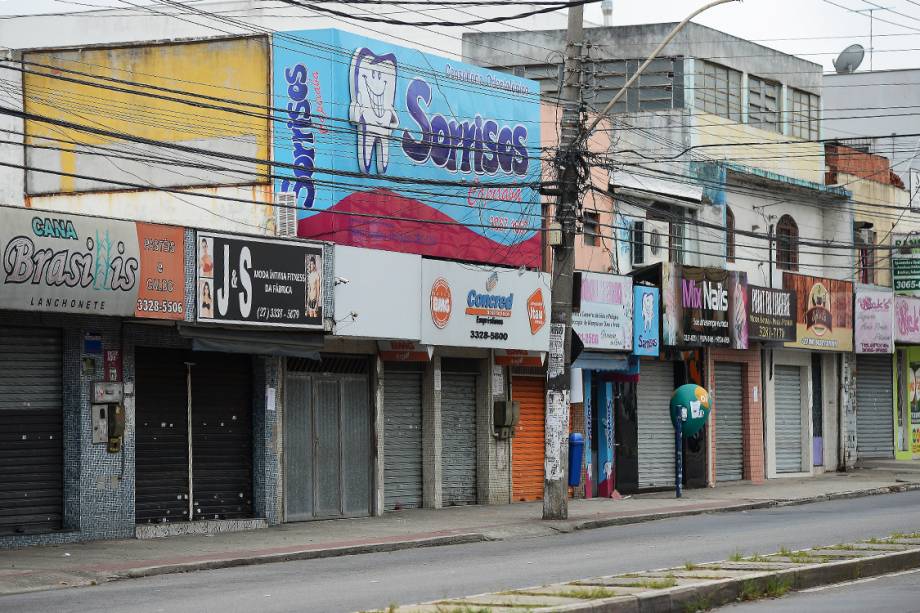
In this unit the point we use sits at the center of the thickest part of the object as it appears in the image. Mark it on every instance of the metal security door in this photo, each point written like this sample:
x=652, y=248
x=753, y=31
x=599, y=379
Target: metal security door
x=729, y=437
x=298, y=447
x=161, y=416
x=458, y=428
x=874, y=409
x=31, y=431
x=402, y=439
x=789, y=435
x=528, y=446
x=221, y=435
x=656, y=433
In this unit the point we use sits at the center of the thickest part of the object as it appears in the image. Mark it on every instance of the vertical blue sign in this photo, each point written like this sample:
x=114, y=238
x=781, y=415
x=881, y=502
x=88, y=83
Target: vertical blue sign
x=646, y=321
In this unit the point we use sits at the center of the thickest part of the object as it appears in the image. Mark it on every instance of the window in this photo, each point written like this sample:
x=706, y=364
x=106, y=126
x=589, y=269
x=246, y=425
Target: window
x=787, y=244
x=591, y=229
x=864, y=238
x=763, y=104
x=804, y=117
x=718, y=90
x=729, y=235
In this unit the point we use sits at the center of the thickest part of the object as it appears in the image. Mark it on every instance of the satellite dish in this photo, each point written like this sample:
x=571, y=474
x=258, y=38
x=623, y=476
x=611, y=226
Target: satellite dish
x=850, y=59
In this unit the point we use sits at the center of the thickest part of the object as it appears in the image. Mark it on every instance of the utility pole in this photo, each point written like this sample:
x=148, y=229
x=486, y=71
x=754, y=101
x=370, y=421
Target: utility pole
x=568, y=166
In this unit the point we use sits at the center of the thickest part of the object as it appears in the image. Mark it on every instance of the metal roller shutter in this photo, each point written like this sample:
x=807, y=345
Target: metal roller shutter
x=788, y=391
x=221, y=435
x=528, y=446
x=729, y=436
x=458, y=450
x=656, y=433
x=874, y=410
x=31, y=431
x=402, y=457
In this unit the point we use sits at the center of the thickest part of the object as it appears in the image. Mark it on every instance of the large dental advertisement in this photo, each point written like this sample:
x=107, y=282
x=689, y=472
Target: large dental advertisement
x=385, y=147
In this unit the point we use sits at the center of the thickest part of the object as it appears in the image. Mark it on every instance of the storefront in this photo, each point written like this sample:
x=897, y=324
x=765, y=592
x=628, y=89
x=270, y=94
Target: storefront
x=906, y=415
x=874, y=343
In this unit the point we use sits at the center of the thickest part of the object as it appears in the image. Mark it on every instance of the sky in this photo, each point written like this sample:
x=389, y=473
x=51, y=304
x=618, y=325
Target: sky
x=814, y=29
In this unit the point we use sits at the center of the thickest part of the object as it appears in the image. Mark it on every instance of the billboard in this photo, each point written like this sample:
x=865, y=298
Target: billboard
x=704, y=307
x=823, y=314
x=771, y=314
x=646, y=322
x=204, y=94
x=470, y=306
x=74, y=264
x=604, y=319
x=873, y=325
x=390, y=148
x=260, y=282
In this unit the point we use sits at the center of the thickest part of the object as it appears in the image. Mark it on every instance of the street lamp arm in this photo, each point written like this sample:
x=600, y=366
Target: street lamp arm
x=593, y=125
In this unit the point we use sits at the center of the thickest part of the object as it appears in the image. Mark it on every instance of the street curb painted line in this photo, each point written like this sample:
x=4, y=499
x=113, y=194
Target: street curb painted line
x=306, y=554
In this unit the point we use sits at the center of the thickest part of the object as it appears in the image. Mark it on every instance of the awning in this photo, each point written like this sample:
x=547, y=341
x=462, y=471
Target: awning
x=255, y=342
x=683, y=192
x=607, y=362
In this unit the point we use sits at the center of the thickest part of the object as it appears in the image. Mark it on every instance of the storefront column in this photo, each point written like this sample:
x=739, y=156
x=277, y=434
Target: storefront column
x=267, y=415
x=431, y=435
x=378, y=385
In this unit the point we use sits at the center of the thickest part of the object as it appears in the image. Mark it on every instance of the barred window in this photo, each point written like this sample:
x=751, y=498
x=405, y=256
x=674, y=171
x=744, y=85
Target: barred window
x=805, y=110
x=591, y=223
x=718, y=90
x=763, y=104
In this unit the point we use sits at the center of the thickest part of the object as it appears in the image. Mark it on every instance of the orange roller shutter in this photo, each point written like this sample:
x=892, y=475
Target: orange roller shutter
x=527, y=445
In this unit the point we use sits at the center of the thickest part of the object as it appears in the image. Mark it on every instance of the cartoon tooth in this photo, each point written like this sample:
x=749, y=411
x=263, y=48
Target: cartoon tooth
x=373, y=98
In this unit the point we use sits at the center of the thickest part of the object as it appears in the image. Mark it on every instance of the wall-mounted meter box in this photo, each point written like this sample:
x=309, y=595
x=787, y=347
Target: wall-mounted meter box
x=108, y=392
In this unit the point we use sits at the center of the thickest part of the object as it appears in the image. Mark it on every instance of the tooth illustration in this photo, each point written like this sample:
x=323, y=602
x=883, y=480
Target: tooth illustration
x=373, y=98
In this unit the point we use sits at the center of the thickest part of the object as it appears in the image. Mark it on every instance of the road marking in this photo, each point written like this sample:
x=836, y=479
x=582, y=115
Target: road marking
x=834, y=586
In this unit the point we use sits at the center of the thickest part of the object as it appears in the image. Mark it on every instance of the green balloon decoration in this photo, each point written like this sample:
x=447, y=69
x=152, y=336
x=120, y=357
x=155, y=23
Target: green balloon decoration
x=693, y=402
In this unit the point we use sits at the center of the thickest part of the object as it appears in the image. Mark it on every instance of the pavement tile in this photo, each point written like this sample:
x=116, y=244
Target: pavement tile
x=842, y=553
x=512, y=600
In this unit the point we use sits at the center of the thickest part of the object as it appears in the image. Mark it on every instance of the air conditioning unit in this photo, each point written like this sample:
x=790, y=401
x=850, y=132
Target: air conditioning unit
x=650, y=242
x=285, y=214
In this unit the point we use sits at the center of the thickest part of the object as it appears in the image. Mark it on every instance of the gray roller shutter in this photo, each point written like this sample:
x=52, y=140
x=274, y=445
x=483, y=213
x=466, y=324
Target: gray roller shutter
x=402, y=439
x=458, y=428
x=874, y=409
x=31, y=430
x=789, y=435
x=656, y=433
x=729, y=437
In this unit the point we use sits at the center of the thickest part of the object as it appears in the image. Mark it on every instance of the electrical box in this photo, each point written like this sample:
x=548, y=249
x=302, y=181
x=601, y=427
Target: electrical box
x=100, y=424
x=507, y=413
x=108, y=392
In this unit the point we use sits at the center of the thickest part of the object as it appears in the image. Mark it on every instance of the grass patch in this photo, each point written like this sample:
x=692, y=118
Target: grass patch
x=736, y=557
x=877, y=541
x=654, y=584
x=758, y=558
x=690, y=566
x=783, y=551
x=597, y=593
x=465, y=609
x=773, y=587
x=699, y=604
x=800, y=557
x=841, y=548
x=906, y=535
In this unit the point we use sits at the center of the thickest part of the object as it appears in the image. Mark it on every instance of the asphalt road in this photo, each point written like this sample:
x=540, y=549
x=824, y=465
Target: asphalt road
x=356, y=583
x=897, y=593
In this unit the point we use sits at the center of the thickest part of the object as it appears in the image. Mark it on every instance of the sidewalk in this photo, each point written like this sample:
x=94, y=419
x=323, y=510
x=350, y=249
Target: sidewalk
x=41, y=568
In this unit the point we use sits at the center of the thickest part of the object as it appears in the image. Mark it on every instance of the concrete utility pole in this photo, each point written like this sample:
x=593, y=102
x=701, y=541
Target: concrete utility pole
x=570, y=162
x=555, y=486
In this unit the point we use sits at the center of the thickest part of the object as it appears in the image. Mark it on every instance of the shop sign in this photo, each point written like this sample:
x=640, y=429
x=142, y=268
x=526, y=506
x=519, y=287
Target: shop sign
x=517, y=357
x=905, y=264
x=604, y=319
x=362, y=116
x=404, y=351
x=824, y=313
x=74, y=264
x=907, y=320
x=704, y=307
x=646, y=322
x=259, y=282
x=771, y=314
x=470, y=306
x=873, y=325
x=913, y=395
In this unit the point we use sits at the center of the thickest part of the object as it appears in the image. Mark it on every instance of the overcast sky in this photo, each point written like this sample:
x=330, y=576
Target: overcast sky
x=820, y=30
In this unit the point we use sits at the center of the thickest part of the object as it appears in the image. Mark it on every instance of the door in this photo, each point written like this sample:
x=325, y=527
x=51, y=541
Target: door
x=788, y=422
x=31, y=431
x=656, y=433
x=458, y=433
x=728, y=417
x=817, y=411
x=527, y=446
x=402, y=439
x=219, y=478
x=327, y=457
x=874, y=410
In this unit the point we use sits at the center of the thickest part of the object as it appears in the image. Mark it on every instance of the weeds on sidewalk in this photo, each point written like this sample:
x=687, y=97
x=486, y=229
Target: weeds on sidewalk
x=698, y=604
x=736, y=556
x=907, y=535
x=653, y=584
x=773, y=587
x=596, y=593
x=690, y=566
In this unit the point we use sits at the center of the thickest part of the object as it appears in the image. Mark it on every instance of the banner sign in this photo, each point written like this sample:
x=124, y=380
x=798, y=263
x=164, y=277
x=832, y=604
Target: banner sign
x=771, y=314
x=873, y=326
x=364, y=115
x=73, y=264
x=404, y=351
x=647, y=321
x=261, y=282
x=905, y=264
x=824, y=313
x=604, y=320
x=907, y=320
x=468, y=306
x=704, y=307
